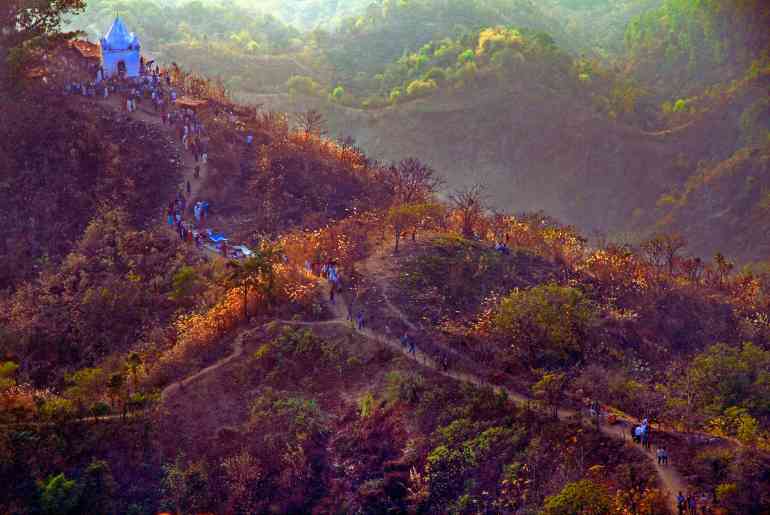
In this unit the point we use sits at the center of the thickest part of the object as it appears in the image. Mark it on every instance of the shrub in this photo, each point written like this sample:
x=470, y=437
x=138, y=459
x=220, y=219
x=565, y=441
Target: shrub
x=285, y=420
x=445, y=469
x=58, y=495
x=466, y=56
x=403, y=388
x=583, y=496
x=419, y=88
x=366, y=405
x=337, y=93
x=302, y=85
x=545, y=323
x=680, y=105
x=436, y=75
x=726, y=376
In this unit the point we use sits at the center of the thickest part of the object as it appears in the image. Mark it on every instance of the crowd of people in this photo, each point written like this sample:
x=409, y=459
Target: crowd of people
x=693, y=504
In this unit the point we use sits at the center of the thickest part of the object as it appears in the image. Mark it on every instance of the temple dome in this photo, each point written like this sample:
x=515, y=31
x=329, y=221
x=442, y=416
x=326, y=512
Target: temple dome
x=118, y=37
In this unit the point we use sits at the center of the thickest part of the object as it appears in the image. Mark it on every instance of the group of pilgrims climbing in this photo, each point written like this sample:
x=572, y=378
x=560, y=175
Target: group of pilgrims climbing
x=155, y=86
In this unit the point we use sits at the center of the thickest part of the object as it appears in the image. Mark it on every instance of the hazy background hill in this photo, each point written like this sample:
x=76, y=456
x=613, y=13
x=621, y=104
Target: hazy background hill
x=603, y=112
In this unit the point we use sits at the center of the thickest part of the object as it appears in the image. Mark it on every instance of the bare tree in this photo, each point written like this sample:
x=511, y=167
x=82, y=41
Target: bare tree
x=347, y=142
x=311, y=122
x=693, y=268
x=664, y=249
x=412, y=181
x=470, y=202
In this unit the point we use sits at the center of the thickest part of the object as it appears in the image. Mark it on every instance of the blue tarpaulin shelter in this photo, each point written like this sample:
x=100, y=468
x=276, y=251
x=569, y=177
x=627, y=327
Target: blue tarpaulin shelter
x=216, y=238
x=120, y=51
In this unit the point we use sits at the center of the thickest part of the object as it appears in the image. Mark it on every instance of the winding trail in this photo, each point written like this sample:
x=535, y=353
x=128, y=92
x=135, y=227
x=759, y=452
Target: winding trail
x=187, y=161
x=376, y=267
x=238, y=344
x=670, y=481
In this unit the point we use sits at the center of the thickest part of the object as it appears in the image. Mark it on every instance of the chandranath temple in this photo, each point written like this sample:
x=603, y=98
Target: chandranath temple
x=120, y=51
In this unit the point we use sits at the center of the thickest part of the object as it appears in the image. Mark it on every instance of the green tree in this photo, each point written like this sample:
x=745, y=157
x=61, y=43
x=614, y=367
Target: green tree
x=466, y=56
x=545, y=323
x=725, y=375
x=285, y=420
x=185, y=487
x=256, y=272
x=550, y=388
x=185, y=284
x=302, y=85
x=338, y=93
x=437, y=75
x=7, y=371
x=584, y=497
x=58, y=495
x=28, y=23
x=86, y=387
x=134, y=364
x=98, y=489
x=714, y=465
x=420, y=88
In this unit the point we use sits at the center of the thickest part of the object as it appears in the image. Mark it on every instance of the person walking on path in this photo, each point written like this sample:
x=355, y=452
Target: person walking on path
x=360, y=320
x=349, y=306
x=692, y=503
x=680, y=503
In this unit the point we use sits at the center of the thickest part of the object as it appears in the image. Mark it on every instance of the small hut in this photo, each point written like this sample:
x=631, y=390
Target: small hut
x=196, y=104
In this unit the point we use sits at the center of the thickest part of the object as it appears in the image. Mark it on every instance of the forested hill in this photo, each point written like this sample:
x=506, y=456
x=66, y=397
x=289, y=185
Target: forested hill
x=686, y=45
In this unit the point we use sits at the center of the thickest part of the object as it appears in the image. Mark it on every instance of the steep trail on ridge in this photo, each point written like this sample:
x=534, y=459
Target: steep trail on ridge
x=669, y=478
x=375, y=267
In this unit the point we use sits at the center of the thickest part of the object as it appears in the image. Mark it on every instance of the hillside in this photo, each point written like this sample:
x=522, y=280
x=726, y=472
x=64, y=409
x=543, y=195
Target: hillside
x=75, y=160
x=545, y=147
x=237, y=313
x=683, y=46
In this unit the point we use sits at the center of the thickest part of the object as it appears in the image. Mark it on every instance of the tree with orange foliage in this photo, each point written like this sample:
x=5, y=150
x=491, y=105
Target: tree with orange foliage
x=412, y=181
